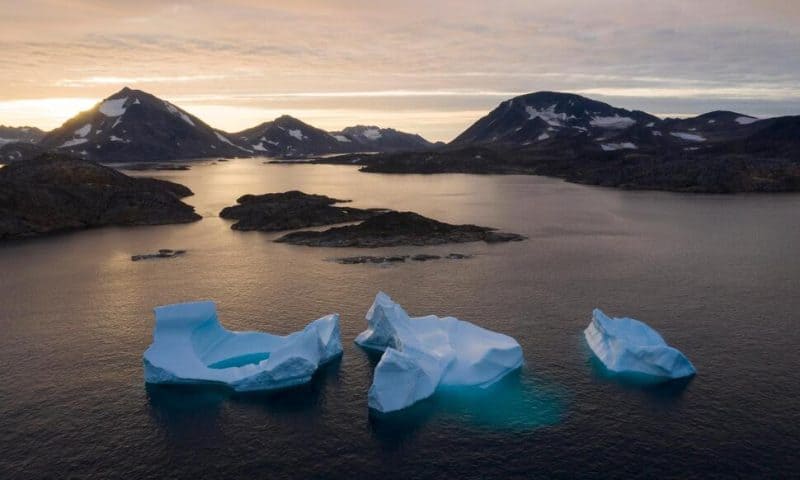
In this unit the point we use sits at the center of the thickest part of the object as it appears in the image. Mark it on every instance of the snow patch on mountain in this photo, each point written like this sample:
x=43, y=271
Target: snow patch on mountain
x=222, y=138
x=746, y=120
x=543, y=136
x=692, y=137
x=113, y=108
x=610, y=147
x=84, y=130
x=341, y=138
x=615, y=122
x=549, y=115
x=73, y=142
x=176, y=111
x=297, y=133
x=372, y=133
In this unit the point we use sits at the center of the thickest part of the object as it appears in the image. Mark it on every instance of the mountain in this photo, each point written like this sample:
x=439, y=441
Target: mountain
x=541, y=116
x=586, y=141
x=20, y=134
x=288, y=137
x=56, y=192
x=552, y=120
x=133, y=125
x=362, y=138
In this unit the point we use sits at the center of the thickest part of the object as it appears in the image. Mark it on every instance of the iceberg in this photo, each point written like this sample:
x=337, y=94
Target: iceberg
x=423, y=353
x=631, y=348
x=190, y=347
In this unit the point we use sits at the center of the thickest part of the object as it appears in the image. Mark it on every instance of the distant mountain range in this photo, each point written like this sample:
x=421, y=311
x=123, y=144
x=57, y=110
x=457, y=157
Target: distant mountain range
x=20, y=134
x=546, y=133
x=586, y=141
x=135, y=126
x=288, y=137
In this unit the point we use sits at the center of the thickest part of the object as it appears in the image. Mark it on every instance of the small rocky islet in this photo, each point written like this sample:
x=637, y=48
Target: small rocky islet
x=162, y=253
x=292, y=210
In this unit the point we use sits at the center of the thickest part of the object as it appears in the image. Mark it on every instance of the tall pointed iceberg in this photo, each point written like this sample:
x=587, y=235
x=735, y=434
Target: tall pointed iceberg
x=629, y=347
x=190, y=346
x=422, y=353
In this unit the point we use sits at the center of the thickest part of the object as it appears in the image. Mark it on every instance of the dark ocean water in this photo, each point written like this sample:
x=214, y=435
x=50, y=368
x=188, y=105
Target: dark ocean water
x=719, y=276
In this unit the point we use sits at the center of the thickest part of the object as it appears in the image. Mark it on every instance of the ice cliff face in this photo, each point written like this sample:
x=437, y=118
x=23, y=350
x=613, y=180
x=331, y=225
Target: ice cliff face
x=190, y=346
x=630, y=347
x=423, y=353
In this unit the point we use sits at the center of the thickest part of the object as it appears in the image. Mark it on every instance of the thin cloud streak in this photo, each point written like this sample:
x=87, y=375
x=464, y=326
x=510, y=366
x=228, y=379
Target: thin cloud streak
x=100, y=80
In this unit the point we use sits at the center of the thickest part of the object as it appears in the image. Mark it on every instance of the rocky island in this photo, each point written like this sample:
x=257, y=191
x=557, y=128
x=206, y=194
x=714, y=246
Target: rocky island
x=273, y=212
x=55, y=192
x=391, y=229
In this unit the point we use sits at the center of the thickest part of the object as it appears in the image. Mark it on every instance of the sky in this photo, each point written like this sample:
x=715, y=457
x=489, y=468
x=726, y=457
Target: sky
x=431, y=67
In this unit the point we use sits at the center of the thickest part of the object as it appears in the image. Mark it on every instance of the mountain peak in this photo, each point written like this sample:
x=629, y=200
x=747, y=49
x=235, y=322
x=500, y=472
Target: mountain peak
x=132, y=125
x=126, y=91
x=539, y=116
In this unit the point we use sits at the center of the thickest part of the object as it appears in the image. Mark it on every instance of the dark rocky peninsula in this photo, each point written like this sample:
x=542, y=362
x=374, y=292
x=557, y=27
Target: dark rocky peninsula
x=54, y=193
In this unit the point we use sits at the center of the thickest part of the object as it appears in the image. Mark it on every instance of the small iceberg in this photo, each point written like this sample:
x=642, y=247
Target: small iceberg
x=631, y=348
x=190, y=347
x=423, y=353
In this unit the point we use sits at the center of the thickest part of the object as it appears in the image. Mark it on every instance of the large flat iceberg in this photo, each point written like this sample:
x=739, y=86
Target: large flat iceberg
x=422, y=353
x=190, y=346
x=629, y=347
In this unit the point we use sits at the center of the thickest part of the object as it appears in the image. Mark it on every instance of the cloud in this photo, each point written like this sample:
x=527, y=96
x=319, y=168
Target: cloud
x=100, y=80
x=459, y=55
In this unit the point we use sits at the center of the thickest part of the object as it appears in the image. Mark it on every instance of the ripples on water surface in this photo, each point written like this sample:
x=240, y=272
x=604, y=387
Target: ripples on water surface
x=719, y=276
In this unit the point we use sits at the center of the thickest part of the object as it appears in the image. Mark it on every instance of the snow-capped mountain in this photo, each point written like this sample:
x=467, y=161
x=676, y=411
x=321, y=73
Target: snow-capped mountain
x=362, y=138
x=20, y=134
x=133, y=125
x=541, y=116
x=569, y=123
x=288, y=137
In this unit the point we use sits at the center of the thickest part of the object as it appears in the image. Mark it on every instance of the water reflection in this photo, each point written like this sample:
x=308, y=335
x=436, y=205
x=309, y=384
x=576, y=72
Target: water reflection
x=518, y=402
x=192, y=412
x=655, y=388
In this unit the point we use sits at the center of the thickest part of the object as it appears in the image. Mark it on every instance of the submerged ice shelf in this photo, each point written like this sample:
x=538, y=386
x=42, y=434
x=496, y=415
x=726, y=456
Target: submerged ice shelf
x=422, y=353
x=629, y=347
x=190, y=346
